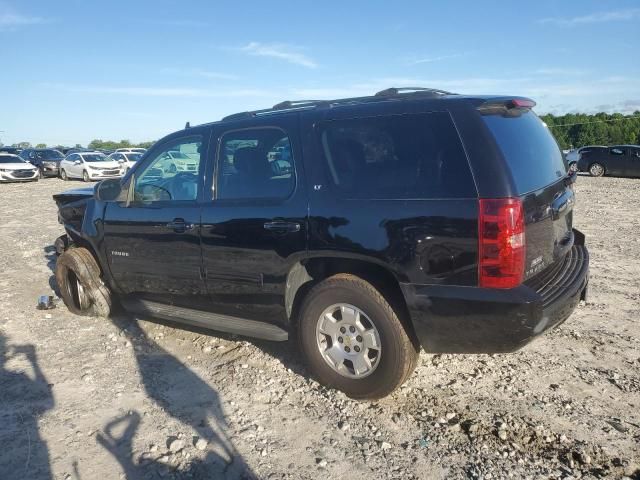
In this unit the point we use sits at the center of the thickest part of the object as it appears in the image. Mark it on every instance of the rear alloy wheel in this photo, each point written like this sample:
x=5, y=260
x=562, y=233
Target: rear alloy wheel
x=596, y=170
x=573, y=167
x=353, y=340
x=63, y=175
x=81, y=288
x=85, y=176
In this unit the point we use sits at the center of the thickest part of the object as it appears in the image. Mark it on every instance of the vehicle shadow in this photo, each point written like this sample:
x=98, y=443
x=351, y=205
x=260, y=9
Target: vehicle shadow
x=23, y=453
x=186, y=397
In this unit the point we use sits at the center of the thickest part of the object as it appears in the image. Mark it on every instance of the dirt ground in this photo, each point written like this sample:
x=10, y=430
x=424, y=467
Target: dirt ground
x=88, y=398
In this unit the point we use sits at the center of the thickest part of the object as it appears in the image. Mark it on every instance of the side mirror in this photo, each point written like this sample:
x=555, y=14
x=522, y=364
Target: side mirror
x=77, y=162
x=110, y=190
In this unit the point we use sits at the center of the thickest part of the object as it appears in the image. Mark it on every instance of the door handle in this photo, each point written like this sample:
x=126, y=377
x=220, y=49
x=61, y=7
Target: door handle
x=178, y=225
x=282, y=227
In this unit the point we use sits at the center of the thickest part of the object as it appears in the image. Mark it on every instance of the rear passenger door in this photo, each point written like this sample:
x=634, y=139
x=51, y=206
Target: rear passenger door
x=254, y=227
x=617, y=161
x=634, y=161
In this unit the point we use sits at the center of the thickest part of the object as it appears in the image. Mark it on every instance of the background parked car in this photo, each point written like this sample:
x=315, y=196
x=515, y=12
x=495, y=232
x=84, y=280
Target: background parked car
x=619, y=160
x=89, y=166
x=174, y=161
x=15, y=169
x=46, y=159
x=131, y=150
x=125, y=159
x=574, y=155
x=11, y=150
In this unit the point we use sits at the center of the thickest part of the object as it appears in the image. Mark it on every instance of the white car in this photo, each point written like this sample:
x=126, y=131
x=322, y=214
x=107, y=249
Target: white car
x=131, y=150
x=125, y=159
x=174, y=161
x=89, y=166
x=15, y=169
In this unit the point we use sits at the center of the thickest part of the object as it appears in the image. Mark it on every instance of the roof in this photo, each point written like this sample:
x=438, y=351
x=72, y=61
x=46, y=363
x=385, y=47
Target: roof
x=394, y=93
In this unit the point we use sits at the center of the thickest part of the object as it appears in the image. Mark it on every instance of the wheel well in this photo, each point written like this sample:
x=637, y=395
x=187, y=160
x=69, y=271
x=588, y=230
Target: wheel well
x=380, y=277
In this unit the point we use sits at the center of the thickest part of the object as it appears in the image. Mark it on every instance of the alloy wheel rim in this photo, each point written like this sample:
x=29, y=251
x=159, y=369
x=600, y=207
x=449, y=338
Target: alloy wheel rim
x=348, y=341
x=596, y=170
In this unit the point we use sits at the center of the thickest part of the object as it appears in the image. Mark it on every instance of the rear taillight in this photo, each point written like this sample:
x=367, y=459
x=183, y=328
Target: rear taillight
x=501, y=243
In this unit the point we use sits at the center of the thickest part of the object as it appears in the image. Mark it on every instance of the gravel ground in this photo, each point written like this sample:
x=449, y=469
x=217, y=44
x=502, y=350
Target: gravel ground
x=84, y=398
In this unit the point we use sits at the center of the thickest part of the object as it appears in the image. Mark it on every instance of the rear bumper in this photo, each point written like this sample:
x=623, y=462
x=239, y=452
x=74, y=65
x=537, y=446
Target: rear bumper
x=451, y=319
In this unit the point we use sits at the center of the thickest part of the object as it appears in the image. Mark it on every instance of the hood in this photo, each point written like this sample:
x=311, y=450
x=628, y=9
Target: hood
x=72, y=205
x=16, y=166
x=74, y=194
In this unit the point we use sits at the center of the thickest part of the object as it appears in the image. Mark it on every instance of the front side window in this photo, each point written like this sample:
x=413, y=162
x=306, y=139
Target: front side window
x=412, y=156
x=172, y=174
x=255, y=163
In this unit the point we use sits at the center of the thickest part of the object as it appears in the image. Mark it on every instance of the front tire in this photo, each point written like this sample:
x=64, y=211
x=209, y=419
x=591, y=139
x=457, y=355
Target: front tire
x=596, y=170
x=63, y=175
x=353, y=340
x=81, y=288
x=85, y=176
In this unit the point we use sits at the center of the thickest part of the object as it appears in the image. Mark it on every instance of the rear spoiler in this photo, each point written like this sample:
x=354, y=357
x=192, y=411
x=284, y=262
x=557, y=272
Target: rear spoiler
x=506, y=104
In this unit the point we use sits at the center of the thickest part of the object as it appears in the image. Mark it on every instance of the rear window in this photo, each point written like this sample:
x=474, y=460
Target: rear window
x=529, y=149
x=397, y=156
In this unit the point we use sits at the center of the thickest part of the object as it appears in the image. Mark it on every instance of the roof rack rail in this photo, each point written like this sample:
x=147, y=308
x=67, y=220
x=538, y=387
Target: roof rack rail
x=393, y=91
x=288, y=104
x=237, y=116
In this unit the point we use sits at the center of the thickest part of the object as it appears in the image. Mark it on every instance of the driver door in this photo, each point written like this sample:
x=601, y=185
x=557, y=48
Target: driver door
x=153, y=243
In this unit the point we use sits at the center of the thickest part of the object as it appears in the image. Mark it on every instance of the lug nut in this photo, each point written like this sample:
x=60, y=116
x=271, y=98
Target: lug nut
x=359, y=338
x=343, y=330
x=340, y=339
x=356, y=348
x=347, y=349
x=352, y=329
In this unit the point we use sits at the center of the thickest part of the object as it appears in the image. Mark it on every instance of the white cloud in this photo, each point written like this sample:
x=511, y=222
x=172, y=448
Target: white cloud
x=281, y=51
x=434, y=59
x=11, y=21
x=610, y=16
x=196, y=72
x=560, y=71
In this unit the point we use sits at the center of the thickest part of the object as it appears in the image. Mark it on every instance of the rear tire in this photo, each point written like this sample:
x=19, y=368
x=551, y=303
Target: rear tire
x=390, y=362
x=81, y=288
x=596, y=170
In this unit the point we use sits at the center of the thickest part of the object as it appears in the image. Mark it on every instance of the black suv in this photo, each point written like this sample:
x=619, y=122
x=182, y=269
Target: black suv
x=46, y=159
x=368, y=227
x=619, y=160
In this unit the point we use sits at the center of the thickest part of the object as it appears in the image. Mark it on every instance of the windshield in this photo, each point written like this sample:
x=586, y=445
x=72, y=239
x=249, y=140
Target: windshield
x=94, y=157
x=179, y=155
x=529, y=148
x=133, y=157
x=10, y=159
x=48, y=155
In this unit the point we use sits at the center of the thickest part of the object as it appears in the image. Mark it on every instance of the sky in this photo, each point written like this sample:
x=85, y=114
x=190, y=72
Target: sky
x=75, y=70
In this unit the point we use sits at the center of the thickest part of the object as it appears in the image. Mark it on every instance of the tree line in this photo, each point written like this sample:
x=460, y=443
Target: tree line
x=575, y=130
x=96, y=144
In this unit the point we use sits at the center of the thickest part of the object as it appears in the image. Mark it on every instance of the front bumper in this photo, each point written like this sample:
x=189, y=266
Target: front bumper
x=453, y=319
x=11, y=176
x=50, y=170
x=100, y=174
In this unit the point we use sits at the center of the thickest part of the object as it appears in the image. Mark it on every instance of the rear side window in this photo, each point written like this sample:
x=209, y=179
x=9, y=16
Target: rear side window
x=529, y=148
x=397, y=156
x=255, y=164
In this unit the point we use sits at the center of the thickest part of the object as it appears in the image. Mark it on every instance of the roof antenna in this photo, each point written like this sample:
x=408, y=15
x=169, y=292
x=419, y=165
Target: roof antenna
x=187, y=125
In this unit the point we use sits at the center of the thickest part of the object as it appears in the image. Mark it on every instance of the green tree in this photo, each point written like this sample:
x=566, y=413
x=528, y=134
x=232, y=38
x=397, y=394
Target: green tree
x=41, y=145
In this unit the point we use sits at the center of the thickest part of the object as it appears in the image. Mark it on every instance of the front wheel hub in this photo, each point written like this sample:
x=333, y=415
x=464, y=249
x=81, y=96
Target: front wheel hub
x=348, y=341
